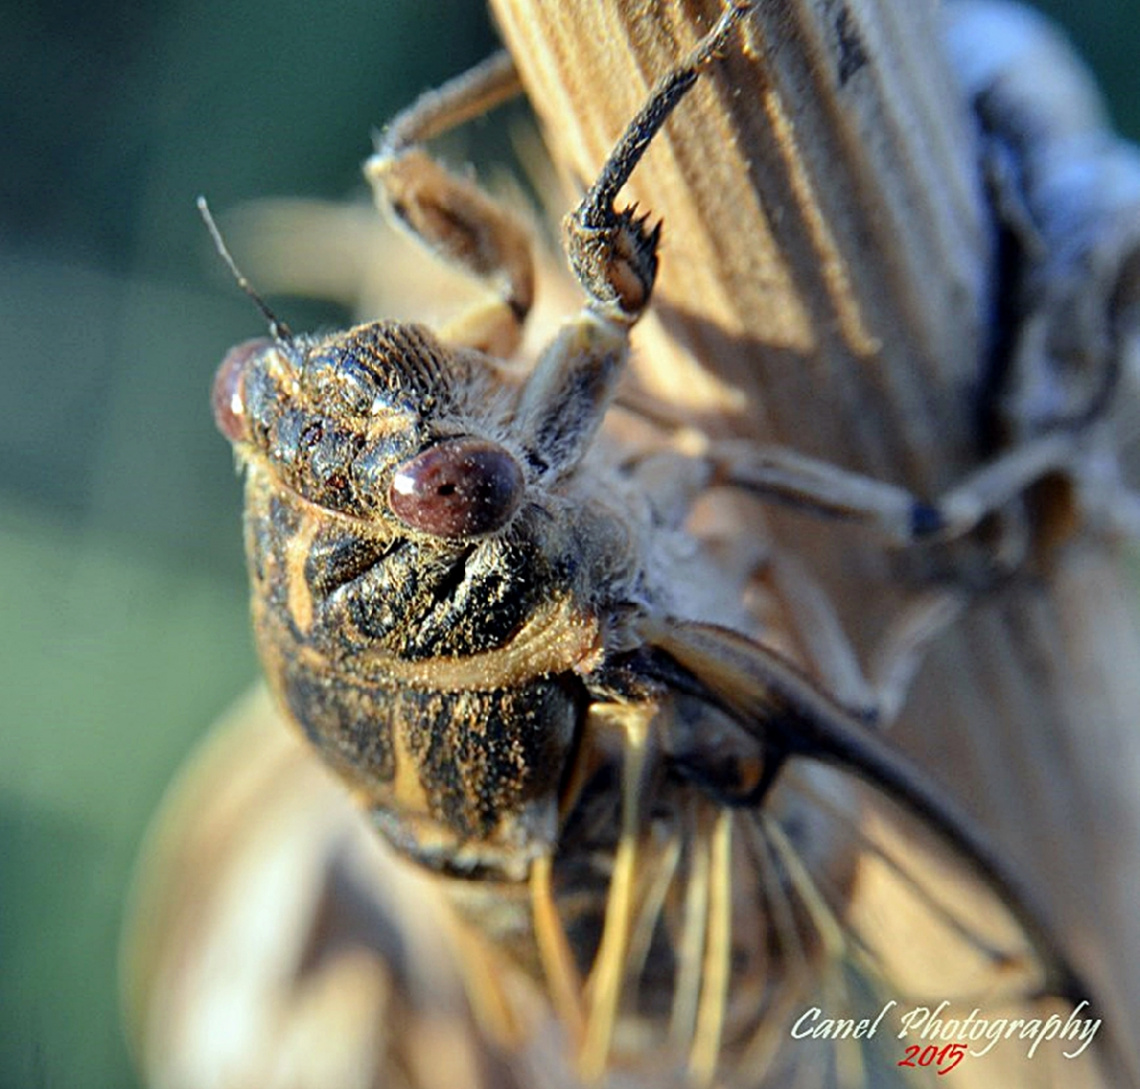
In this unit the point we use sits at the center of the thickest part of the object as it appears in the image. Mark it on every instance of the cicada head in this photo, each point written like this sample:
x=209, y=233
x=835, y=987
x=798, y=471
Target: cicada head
x=382, y=422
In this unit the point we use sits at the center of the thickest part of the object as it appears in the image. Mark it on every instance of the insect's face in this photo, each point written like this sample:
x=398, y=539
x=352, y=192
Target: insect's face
x=416, y=599
x=376, y=424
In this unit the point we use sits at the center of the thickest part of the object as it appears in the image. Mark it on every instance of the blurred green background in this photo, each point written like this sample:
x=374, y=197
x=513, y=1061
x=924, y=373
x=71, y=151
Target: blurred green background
x=123, y=599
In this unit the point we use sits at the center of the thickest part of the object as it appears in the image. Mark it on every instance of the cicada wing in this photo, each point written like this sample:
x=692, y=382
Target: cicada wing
x=889, y=928
x=910, y=952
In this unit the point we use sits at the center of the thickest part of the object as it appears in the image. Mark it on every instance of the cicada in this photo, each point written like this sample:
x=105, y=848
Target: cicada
x=681, y=859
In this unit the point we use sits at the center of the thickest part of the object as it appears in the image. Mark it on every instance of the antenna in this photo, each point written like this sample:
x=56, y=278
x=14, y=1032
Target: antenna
x=277, y=328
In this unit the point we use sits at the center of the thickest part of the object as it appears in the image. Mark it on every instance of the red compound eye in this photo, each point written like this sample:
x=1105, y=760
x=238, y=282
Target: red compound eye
x=227, y=398
x=460, y=488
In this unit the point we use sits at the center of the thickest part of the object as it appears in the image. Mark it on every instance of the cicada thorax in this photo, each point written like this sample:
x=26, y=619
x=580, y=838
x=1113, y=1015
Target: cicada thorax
x=429, y=681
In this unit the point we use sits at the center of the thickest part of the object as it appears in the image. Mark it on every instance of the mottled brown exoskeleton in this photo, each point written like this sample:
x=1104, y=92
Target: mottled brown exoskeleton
x=545, y=691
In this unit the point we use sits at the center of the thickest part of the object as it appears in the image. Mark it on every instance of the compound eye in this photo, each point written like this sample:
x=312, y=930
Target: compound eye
x=228, y=396
x=459, y=488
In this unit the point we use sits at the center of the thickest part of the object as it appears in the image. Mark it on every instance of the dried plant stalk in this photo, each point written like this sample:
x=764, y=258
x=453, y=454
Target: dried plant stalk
x=825, y=278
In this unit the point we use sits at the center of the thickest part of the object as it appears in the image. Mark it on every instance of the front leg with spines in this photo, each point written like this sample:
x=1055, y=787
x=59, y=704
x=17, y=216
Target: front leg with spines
x=614, y=256
x=450, y=214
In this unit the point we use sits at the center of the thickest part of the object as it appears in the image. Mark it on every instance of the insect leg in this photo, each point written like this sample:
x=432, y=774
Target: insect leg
x=449, y=213
x=876, y=697
x=793, y=965
x=891, y=511
x=610, y=966
x=554, y=950
x=716, y=974
x=690, y=946
x=614, y=256
x=909, y=635
x=827, y=925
